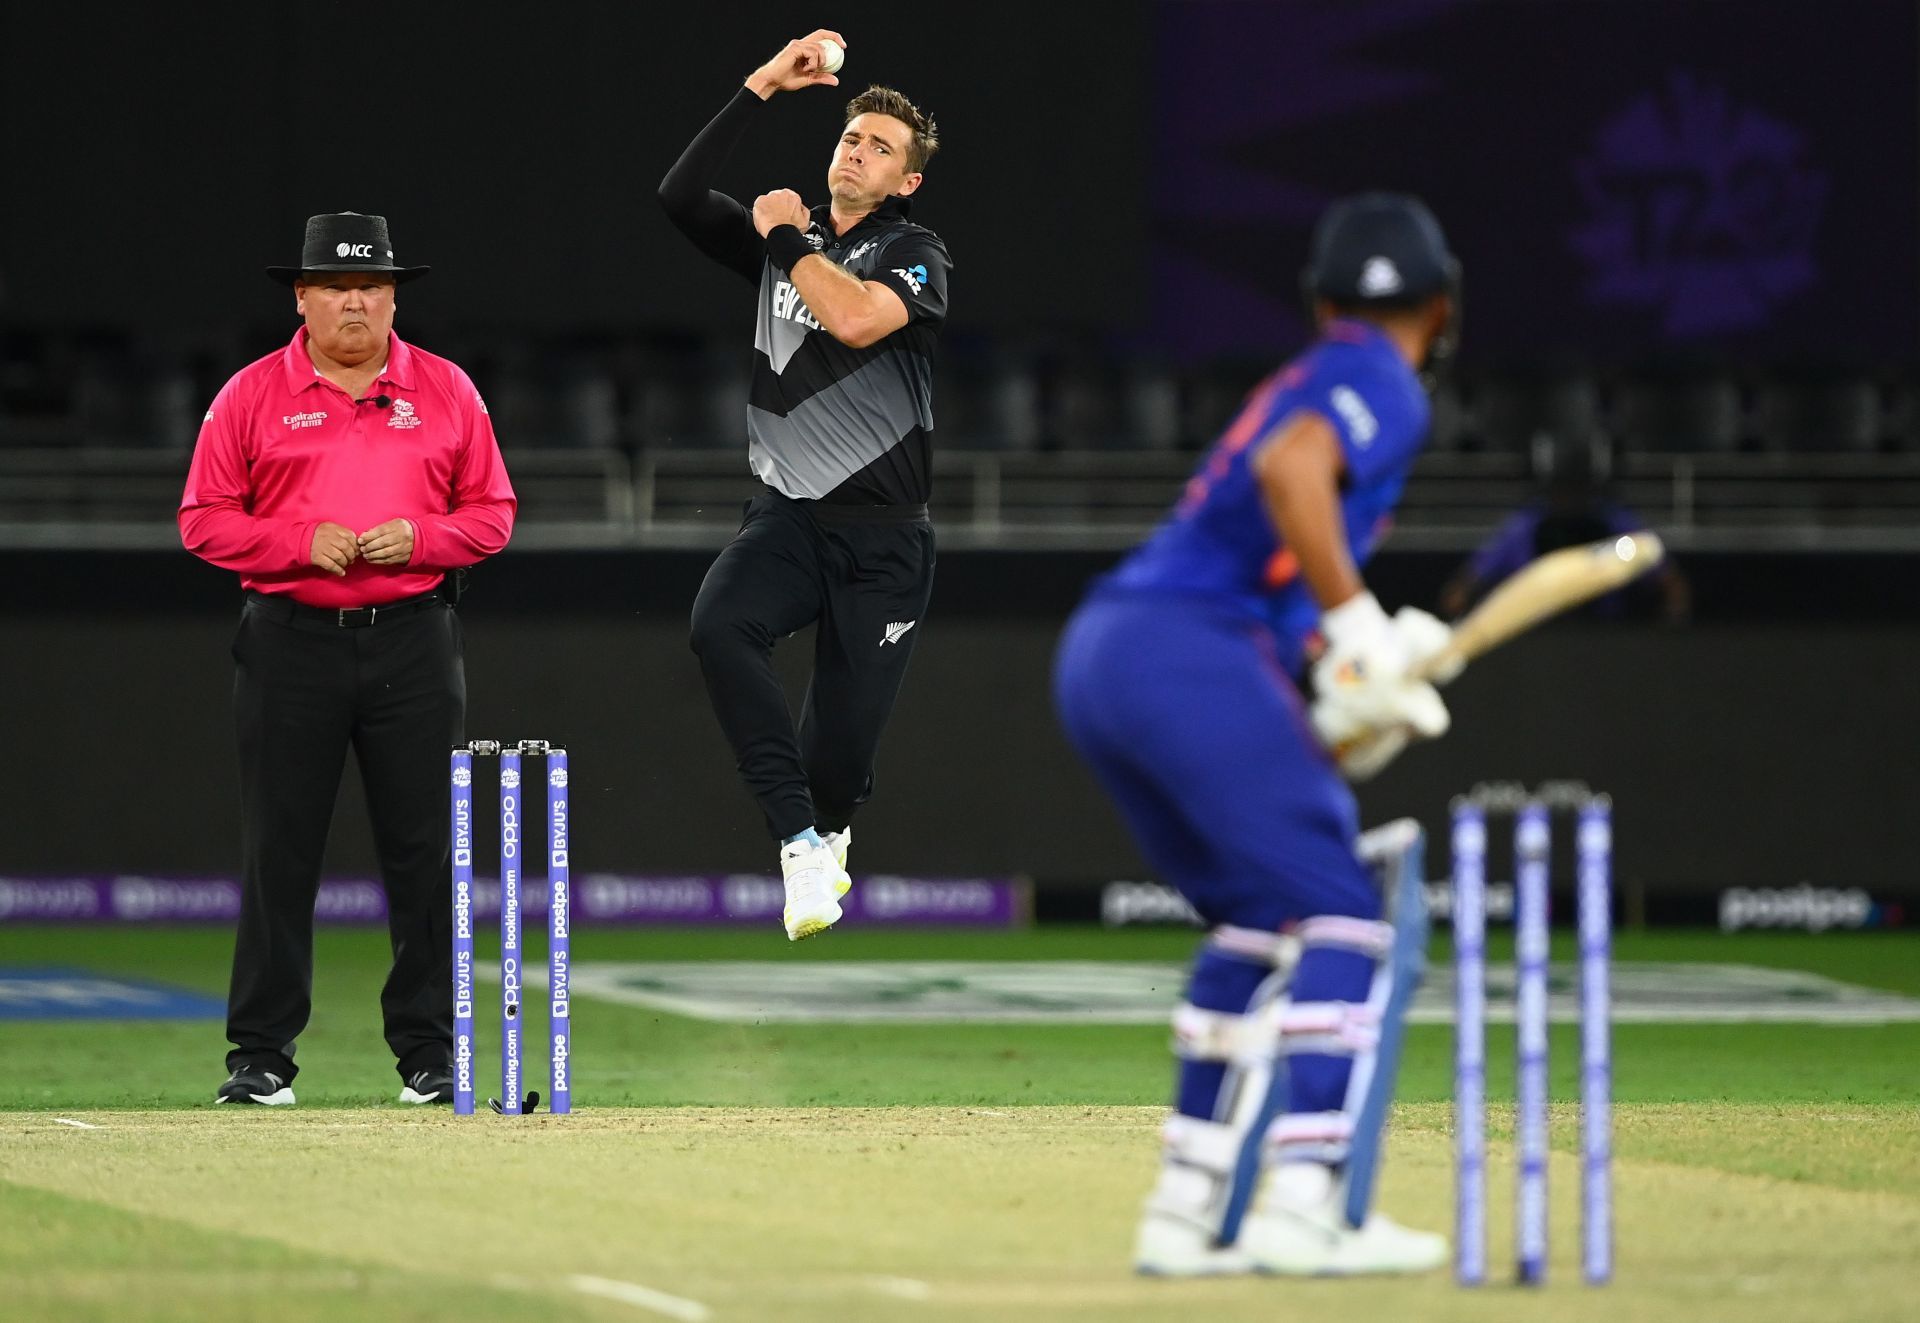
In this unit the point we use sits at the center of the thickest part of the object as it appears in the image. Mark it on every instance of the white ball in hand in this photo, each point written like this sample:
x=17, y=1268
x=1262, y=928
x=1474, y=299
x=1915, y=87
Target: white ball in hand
x=832, y=57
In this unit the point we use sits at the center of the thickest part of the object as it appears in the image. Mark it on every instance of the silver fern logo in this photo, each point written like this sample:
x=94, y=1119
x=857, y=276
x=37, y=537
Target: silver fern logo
x=895, y=630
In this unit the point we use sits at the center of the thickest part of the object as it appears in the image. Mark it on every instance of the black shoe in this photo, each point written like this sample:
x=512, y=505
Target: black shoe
x=250, y=1084
x=428, y=1086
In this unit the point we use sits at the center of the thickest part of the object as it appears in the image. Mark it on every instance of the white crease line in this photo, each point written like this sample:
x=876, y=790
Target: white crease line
x=641, y=1297
x=906, y=1288
x=77, y=1125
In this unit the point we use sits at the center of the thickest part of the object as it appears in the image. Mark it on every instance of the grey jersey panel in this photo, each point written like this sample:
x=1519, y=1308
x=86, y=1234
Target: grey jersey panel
x=843, y=427
x=783, y=321
x=827, y=410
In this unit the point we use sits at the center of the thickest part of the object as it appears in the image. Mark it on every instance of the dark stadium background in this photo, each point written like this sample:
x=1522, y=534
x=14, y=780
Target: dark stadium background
x=1692, y=242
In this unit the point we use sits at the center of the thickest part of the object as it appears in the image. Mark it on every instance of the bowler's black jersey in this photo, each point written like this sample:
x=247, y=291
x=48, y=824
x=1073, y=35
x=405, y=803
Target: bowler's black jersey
x=825, y=421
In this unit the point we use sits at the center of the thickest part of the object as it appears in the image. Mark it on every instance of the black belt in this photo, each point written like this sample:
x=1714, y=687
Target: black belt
x=278, y=607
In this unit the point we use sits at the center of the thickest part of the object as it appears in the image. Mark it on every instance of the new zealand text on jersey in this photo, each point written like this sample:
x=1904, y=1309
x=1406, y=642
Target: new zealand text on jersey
x=788, y=304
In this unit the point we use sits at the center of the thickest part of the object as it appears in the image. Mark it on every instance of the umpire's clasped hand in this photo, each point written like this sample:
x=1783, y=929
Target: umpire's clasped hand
x=390, y=543
x=334, y=548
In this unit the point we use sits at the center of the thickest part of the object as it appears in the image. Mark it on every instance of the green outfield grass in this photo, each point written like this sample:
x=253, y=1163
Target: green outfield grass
x=885, y=1172
x=632, y=1057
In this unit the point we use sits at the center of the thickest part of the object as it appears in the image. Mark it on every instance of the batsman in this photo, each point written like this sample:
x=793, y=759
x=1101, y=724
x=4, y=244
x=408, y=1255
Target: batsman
x=1183, y=680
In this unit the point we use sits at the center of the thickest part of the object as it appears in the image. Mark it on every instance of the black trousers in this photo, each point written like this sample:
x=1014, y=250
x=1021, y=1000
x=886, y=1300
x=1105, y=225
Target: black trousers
x=865, y=574
x=304, y=691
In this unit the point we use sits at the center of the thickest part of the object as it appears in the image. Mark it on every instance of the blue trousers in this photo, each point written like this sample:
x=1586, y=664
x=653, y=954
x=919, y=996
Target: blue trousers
x=1181, y=709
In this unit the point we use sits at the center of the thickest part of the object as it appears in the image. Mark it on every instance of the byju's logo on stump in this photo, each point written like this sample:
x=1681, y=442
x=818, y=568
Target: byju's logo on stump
x=1699, y=208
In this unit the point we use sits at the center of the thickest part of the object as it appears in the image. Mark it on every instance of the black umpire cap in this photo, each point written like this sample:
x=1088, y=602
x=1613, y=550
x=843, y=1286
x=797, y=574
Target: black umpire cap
x=1380, y=250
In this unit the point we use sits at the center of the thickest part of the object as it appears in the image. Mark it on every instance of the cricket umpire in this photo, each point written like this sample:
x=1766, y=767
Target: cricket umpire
x=840, y=432
x=346, y=477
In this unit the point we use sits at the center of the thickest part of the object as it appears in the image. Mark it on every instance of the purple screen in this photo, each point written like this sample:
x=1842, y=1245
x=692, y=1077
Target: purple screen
x=1624, y=180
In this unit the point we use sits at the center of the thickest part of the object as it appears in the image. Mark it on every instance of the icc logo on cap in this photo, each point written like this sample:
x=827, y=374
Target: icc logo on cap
x=353, y=250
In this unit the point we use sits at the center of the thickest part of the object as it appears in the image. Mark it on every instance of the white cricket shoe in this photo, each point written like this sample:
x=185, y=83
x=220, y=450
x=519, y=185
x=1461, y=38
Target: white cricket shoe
x=813, y=889
x=1299, y=1228
x=1179, y=1228
x=1170, y=1246
x=838, y=841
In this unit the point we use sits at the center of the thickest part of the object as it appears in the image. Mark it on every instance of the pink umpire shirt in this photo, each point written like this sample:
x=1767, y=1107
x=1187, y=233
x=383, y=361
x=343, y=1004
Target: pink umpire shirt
x=284, y=450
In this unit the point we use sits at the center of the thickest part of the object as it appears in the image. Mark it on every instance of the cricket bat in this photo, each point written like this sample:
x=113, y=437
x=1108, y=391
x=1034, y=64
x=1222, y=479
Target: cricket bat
x=1558, y=581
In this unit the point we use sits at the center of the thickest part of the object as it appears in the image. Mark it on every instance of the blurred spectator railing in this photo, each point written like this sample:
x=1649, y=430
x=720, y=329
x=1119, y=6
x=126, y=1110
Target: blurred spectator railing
x=84, y=497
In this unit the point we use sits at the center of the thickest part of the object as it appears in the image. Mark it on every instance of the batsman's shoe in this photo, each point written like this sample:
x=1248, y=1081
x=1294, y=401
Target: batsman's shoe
x=1171, y=1246
x=813, y=889
x=428, y=1086
x=1180, y=1226
x=1299, y=1229
x=838, y=842
x=248, y=1085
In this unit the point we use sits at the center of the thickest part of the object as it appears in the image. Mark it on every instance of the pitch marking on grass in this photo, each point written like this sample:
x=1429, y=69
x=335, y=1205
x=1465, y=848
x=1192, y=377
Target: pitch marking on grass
x=77, y=1125
x=1132, y=992
x=906, y=1288
x=641, y=1297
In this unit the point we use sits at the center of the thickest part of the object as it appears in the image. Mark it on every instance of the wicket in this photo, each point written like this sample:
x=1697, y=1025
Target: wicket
x=512, y=1100
x=1532, y=814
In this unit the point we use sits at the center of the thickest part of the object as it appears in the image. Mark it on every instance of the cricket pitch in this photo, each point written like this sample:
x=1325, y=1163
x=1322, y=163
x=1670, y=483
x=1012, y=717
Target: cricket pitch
x=1773, y=1212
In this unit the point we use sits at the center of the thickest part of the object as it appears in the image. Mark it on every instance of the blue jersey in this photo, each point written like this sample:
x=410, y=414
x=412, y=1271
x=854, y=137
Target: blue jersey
x=1219, y=542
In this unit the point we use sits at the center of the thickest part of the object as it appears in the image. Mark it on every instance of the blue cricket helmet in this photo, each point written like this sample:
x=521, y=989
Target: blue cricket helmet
x=1379, y=250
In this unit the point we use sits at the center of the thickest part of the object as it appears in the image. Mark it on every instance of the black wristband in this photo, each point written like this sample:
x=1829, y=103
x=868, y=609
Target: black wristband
x=786, y=245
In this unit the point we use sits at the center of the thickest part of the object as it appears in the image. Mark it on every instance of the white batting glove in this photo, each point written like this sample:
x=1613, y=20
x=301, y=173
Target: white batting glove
x=1366, y=757
x=1368, y=705
x=1426, y=637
